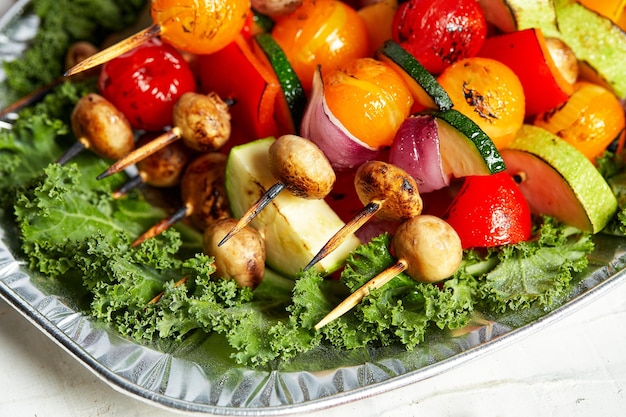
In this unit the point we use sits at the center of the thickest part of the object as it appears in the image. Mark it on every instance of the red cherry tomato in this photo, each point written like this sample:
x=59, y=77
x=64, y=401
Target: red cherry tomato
x=439, y=32
x=490, y=211
x=145, y=83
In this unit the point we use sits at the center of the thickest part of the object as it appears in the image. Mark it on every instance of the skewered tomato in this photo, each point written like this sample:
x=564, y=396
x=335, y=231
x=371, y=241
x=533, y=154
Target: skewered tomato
x=145, y=83
x=369, y=98
x=320, y=32
x=489, y=93
x=439, y=32
x=200, y=27
x=590, y=120
x=490, y=210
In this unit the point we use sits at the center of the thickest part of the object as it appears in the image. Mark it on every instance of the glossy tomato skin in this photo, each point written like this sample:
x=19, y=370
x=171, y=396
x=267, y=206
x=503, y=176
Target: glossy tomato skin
x=325, y=33
x=440, y=32
x=145, y=83
x=490, y=211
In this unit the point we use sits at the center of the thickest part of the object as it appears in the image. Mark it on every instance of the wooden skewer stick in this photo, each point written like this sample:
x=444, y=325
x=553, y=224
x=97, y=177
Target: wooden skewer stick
x=355, y=298
x=31, y=98
x=77, y=147
x=115, y=50
x=163, y=225
x=142, y=152
x=177, y=284
x=350, y=227
x=254, y=210
x=129, y=185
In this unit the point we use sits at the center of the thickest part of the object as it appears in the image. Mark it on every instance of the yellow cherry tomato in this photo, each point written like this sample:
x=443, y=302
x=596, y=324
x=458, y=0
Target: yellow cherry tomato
x=201, y=26
x=489, y=93
x=590, y=119
x=369, y=98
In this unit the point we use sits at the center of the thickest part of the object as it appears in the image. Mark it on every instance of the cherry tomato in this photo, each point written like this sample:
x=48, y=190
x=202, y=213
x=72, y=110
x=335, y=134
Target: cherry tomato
x=145, y=83
x=369, y=98
x=489, y=211
x=439, y=32
x=590, y=120
x=320, y=32
x=200, y=27
x=488, y=92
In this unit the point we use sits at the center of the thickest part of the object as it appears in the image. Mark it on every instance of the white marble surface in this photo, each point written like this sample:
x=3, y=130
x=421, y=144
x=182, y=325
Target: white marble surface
x=575, y=367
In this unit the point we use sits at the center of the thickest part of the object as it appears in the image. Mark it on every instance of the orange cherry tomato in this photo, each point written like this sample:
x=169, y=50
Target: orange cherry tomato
x=489, y=93
x=320, y=32
x=369, y=98
x=590, y=120
x=201, y=26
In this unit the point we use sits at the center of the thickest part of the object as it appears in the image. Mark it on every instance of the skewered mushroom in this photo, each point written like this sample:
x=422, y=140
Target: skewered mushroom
x=387, y=191
x=201, y=121
x=300, y=166
x=99, y=127
x=428, y=249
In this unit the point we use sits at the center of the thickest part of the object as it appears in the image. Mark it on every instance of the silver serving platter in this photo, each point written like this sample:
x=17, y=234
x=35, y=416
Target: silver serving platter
x=197, y=377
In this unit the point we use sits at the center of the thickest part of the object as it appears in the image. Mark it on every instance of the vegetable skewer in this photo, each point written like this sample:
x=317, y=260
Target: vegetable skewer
x=203, y=193
x=301, y=167
x=428, y=249
x=161, y=169
x=196, y=27
x=201, y=121
x=387, y=191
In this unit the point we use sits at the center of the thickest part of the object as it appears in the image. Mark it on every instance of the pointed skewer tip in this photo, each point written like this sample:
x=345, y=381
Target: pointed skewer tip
x=350, y=227
x=115, y=50
x=103, y=175
x=254, y=210
x=355, y=298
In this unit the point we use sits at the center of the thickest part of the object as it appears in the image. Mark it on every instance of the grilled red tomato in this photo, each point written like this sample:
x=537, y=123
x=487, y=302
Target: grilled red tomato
x=439, y=32
x=145, y=83
x=489, y=211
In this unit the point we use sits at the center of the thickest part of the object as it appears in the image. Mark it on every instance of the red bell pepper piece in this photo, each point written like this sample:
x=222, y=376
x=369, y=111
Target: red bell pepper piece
x=236, y=73
x=526, y=53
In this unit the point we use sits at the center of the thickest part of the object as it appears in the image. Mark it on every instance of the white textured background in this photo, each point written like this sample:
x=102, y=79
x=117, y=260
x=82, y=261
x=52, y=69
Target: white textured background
x=576, y=367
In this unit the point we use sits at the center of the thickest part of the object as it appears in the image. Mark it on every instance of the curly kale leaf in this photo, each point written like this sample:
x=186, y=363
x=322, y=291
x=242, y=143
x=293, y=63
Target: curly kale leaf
x=537, y=271
x=81, y=20
x=402, y=311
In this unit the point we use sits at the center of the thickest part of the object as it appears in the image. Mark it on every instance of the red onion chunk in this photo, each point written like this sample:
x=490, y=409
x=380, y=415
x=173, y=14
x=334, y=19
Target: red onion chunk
x=343, y=150
x=416, y=150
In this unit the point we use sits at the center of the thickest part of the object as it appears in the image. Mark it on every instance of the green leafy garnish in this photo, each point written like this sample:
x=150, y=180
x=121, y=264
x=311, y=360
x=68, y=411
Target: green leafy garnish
x=72, y=230
x=80, y=20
